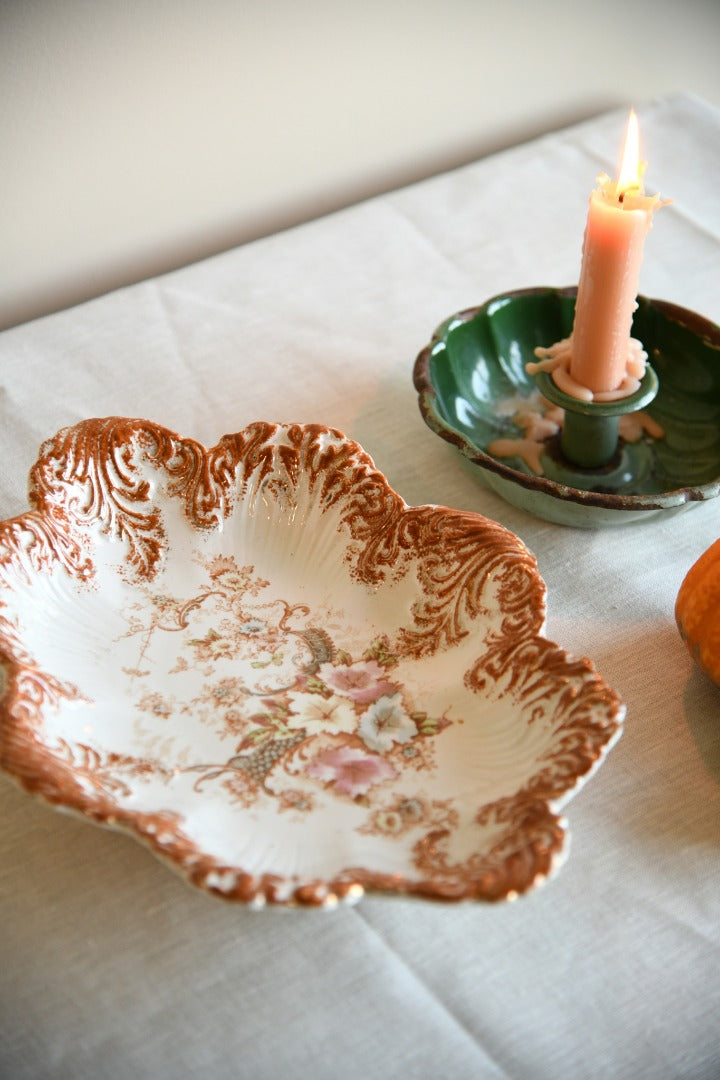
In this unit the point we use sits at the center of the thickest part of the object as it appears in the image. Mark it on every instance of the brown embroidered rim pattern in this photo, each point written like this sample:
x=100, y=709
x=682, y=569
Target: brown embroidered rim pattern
x=92, y=480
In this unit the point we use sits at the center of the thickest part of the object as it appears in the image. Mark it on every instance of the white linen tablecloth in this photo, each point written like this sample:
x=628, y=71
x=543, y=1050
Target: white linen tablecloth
x=112, y=967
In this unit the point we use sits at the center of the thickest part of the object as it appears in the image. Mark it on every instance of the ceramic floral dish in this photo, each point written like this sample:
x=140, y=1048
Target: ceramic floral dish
x=264, y=664
x=472, y=387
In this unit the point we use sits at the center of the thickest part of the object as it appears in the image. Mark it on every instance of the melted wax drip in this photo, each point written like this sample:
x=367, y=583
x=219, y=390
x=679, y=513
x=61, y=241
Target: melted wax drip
x=556, y=359
x=540, y=420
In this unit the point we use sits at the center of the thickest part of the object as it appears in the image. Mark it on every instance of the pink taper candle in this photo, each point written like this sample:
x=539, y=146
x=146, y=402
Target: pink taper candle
x=618, y=221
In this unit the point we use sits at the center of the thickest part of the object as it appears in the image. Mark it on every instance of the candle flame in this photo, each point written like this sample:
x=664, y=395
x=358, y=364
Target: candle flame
x=630, y=175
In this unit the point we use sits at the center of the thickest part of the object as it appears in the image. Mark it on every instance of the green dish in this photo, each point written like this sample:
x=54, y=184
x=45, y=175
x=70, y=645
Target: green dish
x=475, y=363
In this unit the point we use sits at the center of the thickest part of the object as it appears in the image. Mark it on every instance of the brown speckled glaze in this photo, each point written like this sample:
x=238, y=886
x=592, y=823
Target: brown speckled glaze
x=358, y=690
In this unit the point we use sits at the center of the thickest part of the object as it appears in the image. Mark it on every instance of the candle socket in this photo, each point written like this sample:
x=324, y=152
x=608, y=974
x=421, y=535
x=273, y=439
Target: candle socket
x=589, y=438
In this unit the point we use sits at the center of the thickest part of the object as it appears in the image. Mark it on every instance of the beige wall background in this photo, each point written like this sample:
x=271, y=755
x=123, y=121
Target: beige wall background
x=138, y=135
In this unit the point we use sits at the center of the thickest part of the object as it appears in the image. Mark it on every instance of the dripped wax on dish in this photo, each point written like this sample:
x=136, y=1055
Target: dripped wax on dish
x=540, y=420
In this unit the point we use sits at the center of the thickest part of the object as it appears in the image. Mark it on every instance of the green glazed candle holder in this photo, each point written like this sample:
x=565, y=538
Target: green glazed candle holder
x=474, y=366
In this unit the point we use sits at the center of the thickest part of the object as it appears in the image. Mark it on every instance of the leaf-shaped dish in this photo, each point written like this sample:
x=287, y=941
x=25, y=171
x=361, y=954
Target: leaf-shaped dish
x=260, y=661
x=474, y=369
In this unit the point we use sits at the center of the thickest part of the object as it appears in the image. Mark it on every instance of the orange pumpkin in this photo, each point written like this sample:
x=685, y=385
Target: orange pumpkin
x=697, y=611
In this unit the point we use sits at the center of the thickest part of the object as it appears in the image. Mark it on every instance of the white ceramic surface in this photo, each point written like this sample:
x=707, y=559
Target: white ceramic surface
x=262, y=662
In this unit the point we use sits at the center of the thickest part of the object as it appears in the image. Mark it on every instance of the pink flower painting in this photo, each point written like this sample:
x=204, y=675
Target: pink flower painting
x=362, y=682
x=351, y=772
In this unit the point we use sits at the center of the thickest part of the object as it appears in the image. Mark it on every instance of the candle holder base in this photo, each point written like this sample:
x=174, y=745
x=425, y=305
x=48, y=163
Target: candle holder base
x=475, y=393
x=590, y=431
